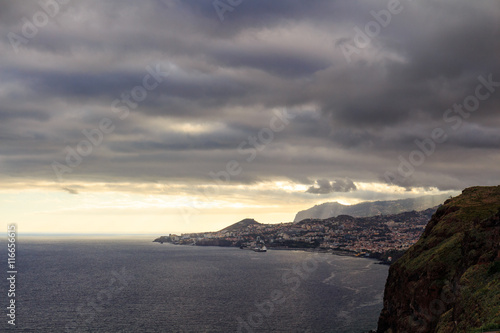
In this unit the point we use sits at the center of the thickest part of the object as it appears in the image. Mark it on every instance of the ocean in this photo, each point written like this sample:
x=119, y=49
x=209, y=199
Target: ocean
x=135, y=285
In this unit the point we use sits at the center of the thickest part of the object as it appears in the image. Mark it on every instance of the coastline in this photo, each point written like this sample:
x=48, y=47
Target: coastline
x=304, y=249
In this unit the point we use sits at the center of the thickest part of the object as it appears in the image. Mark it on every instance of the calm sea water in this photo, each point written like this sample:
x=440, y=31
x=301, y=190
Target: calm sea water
x=118, y=285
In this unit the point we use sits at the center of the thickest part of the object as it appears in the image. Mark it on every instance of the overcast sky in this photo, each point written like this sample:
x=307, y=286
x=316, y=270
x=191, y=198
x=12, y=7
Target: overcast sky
x=188, y=115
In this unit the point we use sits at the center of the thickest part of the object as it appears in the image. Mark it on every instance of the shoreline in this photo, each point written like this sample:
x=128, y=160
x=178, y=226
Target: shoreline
x=340, y=253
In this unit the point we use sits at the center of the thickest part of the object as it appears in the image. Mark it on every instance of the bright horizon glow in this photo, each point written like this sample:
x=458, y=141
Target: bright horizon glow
x=177, y=208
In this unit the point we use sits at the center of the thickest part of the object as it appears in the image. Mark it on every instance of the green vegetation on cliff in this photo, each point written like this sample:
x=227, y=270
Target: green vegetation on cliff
x=449, y=281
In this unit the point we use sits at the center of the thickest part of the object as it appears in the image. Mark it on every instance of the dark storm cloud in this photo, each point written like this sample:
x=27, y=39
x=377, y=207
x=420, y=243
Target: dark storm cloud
x=69, y=84
x=440, y=61
x=227, y=78
x=282, y=63
x=267, y=14
x=8, y=114
x=324, y=186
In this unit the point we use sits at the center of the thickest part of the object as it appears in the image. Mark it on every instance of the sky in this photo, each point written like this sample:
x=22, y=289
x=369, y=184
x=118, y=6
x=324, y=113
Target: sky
x=169, y=116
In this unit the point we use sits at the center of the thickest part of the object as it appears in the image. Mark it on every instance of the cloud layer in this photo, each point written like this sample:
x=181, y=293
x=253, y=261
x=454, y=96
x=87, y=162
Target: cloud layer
x=355, y=120
x=324, y=186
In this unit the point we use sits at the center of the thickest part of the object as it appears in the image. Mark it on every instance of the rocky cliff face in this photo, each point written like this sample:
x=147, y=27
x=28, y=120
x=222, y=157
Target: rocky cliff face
x=449, y=281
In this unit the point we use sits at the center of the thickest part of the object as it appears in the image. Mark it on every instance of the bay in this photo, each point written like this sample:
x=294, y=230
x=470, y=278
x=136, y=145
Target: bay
x=134, y=285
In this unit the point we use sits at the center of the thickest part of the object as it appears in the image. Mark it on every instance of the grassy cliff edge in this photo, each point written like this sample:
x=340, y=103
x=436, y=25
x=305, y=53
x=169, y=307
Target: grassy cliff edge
x=449, y=281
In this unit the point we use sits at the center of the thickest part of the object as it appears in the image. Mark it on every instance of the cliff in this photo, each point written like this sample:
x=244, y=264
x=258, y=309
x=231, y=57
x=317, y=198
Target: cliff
x=449, y=281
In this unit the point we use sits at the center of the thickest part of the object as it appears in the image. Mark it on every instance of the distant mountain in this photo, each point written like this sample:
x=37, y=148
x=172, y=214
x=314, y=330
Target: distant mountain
x=243, y=224
x=368, y=208
x=449, y=281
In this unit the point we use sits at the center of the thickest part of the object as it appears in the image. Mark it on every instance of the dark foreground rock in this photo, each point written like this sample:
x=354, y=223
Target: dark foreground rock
x=449, y=281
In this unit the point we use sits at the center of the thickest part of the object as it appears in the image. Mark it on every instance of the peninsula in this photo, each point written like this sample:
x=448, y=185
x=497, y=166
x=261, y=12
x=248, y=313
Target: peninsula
x=383, y=237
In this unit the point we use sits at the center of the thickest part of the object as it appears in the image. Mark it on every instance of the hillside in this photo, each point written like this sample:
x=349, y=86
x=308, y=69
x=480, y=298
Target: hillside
x=365, y=209
x=242, y=225
x=449, y=281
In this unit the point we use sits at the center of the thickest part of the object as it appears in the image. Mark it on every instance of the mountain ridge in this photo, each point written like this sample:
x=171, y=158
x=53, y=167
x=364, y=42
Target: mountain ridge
x=370, y=208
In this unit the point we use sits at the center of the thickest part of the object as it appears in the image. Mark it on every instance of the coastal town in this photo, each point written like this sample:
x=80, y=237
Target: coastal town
x=377, y=236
